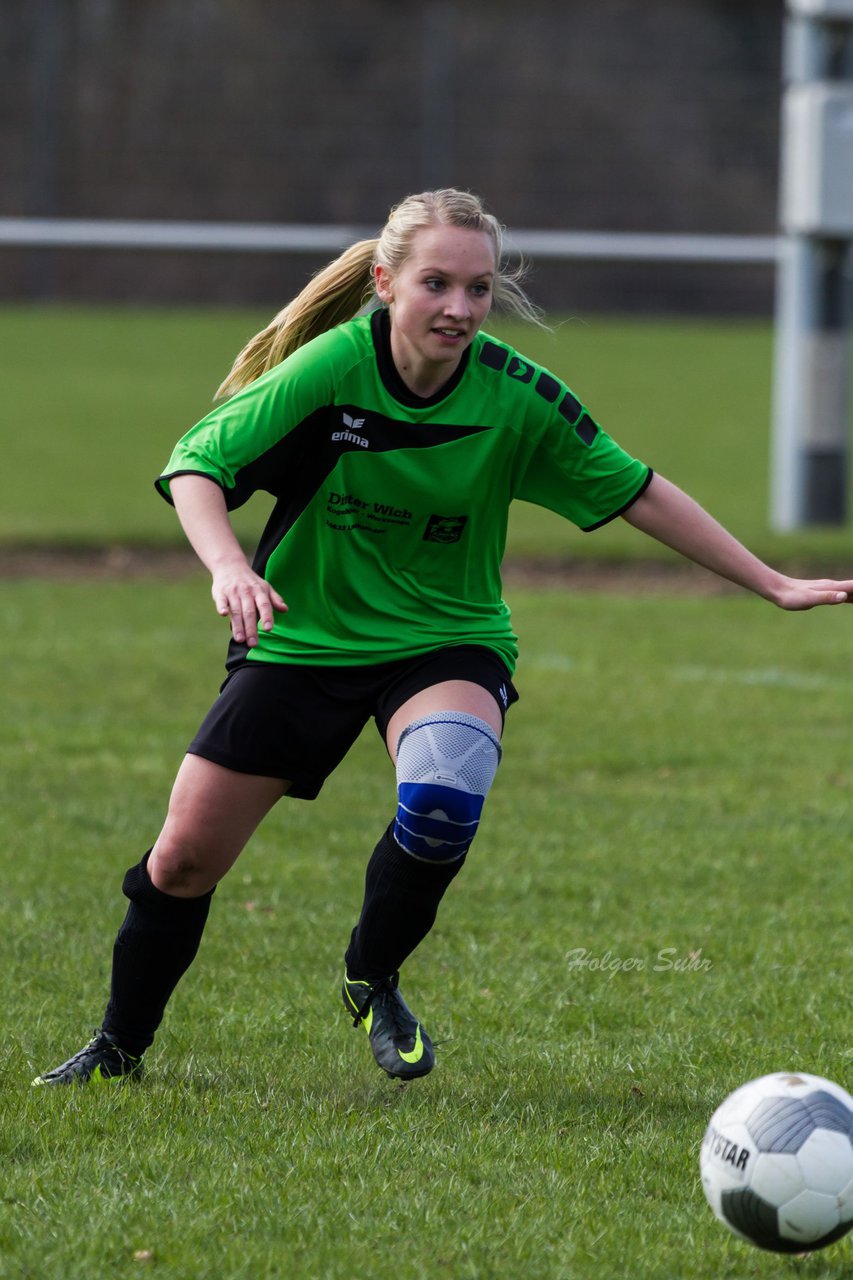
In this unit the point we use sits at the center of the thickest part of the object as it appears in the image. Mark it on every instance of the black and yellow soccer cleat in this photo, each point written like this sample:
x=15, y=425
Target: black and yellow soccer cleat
x=399, y=1043
x=101, y=1062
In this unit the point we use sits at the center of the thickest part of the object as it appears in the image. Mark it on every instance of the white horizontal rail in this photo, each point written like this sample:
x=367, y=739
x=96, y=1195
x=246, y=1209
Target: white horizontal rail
x=87, y=233
x=206, y=237
x=645, y=246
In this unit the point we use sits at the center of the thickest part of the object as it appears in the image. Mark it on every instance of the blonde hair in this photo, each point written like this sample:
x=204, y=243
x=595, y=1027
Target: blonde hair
x=343, y=288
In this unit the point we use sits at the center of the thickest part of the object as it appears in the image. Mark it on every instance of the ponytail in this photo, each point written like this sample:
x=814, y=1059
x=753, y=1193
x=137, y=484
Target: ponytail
x=336, y=293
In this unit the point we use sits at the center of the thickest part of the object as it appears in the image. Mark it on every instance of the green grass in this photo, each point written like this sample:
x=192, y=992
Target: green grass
x=95, y=397
x=677, y=780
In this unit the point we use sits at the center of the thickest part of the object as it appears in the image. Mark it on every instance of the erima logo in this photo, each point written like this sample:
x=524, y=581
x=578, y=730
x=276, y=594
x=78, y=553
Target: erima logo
x=349, y=435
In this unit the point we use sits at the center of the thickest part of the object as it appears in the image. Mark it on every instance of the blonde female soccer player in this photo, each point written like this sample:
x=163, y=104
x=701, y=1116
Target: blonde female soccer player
x=393, y=443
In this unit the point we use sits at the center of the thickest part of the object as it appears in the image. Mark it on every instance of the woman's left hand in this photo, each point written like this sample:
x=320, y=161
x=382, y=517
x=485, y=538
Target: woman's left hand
x=805, y=593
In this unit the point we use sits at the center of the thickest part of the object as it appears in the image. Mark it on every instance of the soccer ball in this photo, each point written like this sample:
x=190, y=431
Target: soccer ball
x=777, y=1162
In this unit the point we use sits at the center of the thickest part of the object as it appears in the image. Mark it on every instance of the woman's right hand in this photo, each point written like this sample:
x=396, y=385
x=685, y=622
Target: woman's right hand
x=239, y=593
x=245, y=599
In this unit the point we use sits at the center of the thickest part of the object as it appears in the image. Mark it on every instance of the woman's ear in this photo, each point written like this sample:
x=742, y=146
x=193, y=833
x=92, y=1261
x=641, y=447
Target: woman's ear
x=382, y=282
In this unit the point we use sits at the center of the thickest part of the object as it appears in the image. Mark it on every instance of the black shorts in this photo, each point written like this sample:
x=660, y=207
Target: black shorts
x=298, y=722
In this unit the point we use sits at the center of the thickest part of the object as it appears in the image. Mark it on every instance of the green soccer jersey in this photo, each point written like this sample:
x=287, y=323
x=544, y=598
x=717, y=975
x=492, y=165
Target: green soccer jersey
x=390, y=514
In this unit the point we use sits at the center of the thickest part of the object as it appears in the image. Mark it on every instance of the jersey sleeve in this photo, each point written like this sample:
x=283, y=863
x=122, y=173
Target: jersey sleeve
x=238, y=444
x=578, y=470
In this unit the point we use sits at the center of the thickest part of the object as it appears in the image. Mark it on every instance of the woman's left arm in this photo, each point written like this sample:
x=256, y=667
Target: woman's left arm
x=668, y=514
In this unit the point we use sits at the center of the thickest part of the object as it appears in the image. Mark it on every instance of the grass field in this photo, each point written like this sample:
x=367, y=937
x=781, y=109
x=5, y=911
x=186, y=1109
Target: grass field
x=656, y=908
x=675, y=794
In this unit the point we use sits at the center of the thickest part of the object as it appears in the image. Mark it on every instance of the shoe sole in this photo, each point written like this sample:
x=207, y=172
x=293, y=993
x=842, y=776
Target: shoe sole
x=407, y=1075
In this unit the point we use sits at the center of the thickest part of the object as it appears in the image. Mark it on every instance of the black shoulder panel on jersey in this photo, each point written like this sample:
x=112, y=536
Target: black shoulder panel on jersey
x=548, y=387
x=520, y=370
x=493, y=356
x=586, y=430
x=570, y=408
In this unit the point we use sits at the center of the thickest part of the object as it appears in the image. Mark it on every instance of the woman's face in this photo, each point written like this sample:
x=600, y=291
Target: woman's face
x=438, y=301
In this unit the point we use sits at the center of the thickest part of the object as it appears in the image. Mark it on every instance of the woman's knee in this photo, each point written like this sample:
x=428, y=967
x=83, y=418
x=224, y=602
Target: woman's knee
x=212, y=813
x=446, y=763
x=183, y=866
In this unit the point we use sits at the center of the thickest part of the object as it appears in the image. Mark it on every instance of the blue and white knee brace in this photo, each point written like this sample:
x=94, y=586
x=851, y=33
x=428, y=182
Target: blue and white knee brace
x=446, y=763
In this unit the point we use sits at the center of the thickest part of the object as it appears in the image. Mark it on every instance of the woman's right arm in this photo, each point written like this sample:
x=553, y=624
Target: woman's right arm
x=238, y=592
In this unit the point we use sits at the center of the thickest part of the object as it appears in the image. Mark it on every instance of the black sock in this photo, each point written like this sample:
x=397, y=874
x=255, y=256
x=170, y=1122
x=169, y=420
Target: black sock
x=401, y=897
x=154, y=947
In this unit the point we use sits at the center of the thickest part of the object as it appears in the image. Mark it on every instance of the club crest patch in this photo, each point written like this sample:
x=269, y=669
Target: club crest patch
x=444, y=528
